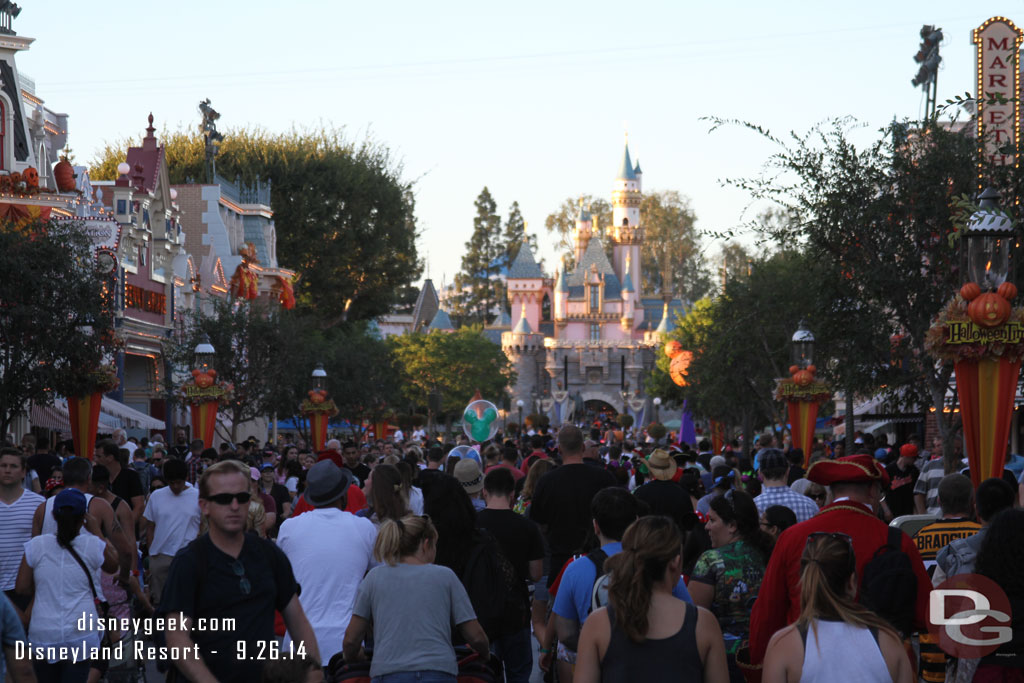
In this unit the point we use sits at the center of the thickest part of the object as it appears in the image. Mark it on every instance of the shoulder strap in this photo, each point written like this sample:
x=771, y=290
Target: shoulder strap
x=88, y=574
x=802, y=629
x=598, y=556
x=895, y=538
x=874, y=634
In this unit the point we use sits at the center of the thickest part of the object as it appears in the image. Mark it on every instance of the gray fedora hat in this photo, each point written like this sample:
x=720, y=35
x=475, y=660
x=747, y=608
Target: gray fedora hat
x=326, y=483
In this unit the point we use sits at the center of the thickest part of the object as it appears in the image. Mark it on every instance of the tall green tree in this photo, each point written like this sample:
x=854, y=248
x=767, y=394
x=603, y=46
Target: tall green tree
x=562, y=222
x=876, y=217
x=345, y=216
x=671, y=256
x=457, y=364
x=476, y=286
x=56, y=325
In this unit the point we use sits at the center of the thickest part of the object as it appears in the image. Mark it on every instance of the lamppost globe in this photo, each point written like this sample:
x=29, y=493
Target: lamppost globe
x=988, y=236
x=519, y=404
x=204, y=354
x=319, y=376
x=803, y=346
x=657, y=400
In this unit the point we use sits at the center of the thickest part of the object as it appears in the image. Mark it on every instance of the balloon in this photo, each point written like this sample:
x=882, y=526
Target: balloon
x=465, y=453
x=480, y=420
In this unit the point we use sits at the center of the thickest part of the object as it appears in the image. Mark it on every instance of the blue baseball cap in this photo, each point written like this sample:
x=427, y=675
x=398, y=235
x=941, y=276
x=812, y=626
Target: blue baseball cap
x=70, y=499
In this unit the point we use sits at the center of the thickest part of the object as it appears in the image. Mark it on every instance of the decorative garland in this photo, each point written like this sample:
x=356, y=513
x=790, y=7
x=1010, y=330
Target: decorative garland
x=319, y=403
x=789, y=390
x=954, y=337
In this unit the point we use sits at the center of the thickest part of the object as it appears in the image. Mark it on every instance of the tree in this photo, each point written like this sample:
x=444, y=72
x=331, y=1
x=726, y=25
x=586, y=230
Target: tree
x=735, y=262
x=476, y=288
x=250, y=346
x=741, y=343
x=877, y=218
x=56, y=325
x=345, y=217
x=563, y=221
x=671, y=255
x=457, y=364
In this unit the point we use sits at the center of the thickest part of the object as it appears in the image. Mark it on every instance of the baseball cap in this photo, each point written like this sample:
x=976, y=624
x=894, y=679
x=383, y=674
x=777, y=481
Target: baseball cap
x=70, y=499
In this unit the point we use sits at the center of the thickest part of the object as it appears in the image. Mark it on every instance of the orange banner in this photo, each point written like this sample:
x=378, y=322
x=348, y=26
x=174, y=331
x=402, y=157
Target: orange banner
x=717, y=436
x=318, y=429
x=986, y=389
x=802, y=416
x=204, y=420
x=84, y=414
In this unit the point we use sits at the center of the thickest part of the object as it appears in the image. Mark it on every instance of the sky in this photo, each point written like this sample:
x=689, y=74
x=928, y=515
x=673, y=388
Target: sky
x=531, y=99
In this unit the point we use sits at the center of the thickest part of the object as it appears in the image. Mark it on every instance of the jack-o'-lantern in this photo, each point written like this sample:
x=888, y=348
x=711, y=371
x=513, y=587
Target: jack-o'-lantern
x=204, y=380
x=679, y=367
x=989, y=310
x=31, y=177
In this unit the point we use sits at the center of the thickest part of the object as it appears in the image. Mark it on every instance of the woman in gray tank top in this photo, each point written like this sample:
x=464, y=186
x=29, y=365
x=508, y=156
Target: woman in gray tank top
x=645, y=633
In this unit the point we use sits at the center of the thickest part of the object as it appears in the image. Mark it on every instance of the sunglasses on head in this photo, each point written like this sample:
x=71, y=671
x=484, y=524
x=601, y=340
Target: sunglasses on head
x=226, y=498
x=841, y=537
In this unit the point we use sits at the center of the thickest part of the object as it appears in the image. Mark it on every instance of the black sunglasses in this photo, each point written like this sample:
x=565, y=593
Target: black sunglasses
x=239, y=569
x=226, y=498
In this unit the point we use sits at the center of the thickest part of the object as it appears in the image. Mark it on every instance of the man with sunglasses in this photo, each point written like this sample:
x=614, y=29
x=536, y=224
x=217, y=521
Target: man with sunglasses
x=228, y=574
x=856, y=483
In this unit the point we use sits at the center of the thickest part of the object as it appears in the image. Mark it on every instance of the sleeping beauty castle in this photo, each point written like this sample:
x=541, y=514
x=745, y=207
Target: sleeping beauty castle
x=582, y=341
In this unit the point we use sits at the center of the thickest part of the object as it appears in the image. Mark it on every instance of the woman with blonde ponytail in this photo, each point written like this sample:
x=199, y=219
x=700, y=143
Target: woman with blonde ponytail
x=645, y=633
x=412, y=604
x=834, y=638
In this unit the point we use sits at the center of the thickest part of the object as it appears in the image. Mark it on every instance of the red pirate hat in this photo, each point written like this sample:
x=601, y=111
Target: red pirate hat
x=852, y=468
x=330, y=454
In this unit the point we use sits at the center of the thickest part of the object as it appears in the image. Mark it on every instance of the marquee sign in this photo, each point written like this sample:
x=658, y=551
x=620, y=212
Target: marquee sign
x=966, y=332
x=997, y=43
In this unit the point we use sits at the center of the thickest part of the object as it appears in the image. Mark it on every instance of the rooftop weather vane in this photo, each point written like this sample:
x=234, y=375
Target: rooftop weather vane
x=8, y=11
x=213, y=138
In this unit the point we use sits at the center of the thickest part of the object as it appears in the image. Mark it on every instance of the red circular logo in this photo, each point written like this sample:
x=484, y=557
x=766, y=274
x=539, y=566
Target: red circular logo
x=969, y=615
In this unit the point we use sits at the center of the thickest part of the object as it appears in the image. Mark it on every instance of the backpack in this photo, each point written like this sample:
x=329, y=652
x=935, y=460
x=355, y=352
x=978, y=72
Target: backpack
x=888, y=585
x=500, y=599
x=599, y=593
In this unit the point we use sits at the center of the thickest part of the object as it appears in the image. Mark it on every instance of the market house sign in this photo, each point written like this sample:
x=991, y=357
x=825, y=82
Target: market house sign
x=145, y=300
x=997, y=42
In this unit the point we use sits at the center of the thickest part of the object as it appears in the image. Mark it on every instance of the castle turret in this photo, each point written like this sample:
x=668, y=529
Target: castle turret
x=561, y=296
x=665, y=326
x=628, y=298
x=583, y=231
x=625, y=232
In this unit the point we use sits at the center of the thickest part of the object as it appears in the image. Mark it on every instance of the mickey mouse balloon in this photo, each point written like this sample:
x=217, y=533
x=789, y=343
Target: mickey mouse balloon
x=480, y=420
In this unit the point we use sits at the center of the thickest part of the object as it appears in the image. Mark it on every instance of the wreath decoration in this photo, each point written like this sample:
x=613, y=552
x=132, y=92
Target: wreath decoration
x=1005, y=341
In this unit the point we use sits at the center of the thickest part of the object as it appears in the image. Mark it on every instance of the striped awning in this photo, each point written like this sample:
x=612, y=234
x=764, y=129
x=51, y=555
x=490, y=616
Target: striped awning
x=132, y=419
x=56, y=417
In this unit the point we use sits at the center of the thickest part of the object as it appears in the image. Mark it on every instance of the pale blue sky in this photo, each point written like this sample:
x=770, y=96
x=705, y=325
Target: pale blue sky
x=528, y=98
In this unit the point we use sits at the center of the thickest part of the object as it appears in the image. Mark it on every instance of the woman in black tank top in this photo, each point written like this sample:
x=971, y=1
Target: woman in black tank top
x=646, y=634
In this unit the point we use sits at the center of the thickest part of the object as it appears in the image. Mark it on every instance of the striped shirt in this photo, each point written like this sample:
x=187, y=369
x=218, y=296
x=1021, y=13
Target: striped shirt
x=15, y=532
x=928, y=485
x=937, y=535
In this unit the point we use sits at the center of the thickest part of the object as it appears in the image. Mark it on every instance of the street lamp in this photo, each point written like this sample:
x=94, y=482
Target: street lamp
x=988, y=236
x=803, y=346
x=204, y=354
x=657, y=406
x=319, y=382
x=519, y=405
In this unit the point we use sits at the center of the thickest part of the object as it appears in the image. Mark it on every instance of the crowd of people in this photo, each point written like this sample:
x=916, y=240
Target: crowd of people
x=584, y=553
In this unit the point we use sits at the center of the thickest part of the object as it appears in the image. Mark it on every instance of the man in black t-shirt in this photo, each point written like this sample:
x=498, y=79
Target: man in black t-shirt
x=228, y=574
x=903, y=475
x=43, y=462
x=124, y=481
x=521, y=543
x=561, y=501
x=665, y=496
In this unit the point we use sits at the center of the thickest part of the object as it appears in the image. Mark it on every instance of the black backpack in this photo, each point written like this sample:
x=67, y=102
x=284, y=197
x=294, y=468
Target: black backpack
x=888, y=585
x=500, y=599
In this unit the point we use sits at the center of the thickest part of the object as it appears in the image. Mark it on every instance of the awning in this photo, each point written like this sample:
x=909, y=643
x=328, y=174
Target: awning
x=56, y=417
x=132, y=419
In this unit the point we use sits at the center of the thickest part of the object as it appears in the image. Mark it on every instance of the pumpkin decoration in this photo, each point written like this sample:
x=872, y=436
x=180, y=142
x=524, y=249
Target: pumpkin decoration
x=31, y=178
x=16, y=182
x=317, y=395
x=672, y=348
x=681, y=359
x=1007, y=290
x=970, y=291
x=803, y=377
x=989, y=310
x=64, y=175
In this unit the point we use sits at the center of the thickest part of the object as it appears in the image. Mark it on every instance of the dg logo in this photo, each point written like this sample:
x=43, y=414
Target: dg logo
x=970, y=616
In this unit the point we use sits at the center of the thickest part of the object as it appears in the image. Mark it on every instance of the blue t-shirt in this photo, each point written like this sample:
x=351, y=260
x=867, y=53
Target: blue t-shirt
x=574, y=592
x=10, y=629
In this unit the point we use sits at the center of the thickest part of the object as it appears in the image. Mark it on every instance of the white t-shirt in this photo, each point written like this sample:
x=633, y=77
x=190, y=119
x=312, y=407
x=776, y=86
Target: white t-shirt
x=330, y=551
x=15, y=531
x=176, y=519
x=62, y=593
x=415, y=500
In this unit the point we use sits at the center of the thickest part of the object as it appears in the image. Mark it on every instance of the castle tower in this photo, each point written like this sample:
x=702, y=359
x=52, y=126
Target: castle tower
x=583, y=231
x=524, y=347
x=526, y=288
x=628, y=298
x=626, y=234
